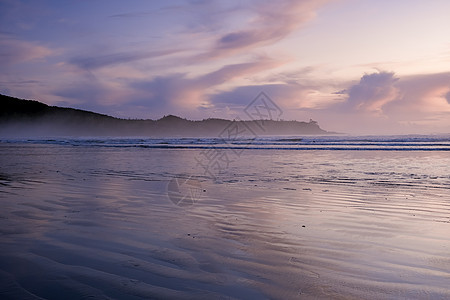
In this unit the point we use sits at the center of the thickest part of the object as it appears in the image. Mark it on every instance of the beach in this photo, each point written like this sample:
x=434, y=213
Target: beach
x=99, y=219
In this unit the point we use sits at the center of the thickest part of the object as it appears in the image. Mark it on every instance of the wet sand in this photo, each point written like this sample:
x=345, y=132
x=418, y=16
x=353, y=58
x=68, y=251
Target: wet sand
x=80, y=222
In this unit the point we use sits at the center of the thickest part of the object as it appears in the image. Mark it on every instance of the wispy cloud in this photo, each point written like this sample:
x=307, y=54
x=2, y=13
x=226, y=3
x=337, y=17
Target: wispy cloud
x=272, y=21
x=185, y=93
x=89, y=76
x=13, y=50
x=106, y=60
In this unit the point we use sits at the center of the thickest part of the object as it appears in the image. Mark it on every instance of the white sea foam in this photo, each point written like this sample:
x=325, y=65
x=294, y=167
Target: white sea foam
x=388, y=143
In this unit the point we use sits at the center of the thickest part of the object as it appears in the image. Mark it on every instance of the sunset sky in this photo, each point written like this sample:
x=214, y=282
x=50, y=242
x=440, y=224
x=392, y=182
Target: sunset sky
x=355, y=66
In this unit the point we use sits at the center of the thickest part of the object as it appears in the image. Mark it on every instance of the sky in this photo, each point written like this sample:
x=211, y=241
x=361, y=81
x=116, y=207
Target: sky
x=355, y=66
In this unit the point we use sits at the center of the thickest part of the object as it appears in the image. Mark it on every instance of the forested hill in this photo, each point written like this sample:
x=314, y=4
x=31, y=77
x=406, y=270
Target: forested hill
x=20, y=117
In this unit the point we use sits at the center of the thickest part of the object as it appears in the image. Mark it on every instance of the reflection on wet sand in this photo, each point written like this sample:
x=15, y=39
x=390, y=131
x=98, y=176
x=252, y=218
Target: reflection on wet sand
x=83, y=222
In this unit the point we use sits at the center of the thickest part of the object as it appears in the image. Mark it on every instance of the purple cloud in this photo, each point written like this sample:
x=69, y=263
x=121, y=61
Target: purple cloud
x=182, y=93
x=100, y=61
x=422, y=94
x=373, y=92
x=13, y=50
x=447, y=97
x=273, y=22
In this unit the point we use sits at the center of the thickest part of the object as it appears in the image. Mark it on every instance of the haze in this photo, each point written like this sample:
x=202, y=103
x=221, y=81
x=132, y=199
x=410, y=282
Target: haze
x=361, y=67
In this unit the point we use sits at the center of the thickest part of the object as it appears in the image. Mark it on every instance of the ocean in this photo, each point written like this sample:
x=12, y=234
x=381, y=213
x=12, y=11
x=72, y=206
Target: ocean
x=292, y=217
x=333, y=142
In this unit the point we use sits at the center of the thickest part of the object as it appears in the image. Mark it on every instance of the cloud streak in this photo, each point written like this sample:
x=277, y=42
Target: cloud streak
x=183, y=93
x=107, y=60
x=272, y=22
x=13, y=51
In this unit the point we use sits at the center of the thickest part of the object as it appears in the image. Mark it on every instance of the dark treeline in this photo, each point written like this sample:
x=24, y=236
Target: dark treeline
x=24, y=118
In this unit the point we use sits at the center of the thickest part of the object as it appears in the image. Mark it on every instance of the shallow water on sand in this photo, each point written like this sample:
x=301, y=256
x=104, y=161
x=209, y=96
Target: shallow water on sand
x=79, y=222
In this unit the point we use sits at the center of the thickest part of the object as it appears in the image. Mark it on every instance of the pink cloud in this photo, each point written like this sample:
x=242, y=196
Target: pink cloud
x=112, y=59
x=373, y=92
x=410, y=104
x=447, y=97
x=273, y=22
x=418, y=90
x=179, y=92
x=17, y=51
x=380, y=103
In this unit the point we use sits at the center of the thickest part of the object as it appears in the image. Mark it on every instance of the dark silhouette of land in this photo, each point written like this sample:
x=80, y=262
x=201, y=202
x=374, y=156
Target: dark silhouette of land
x=24, y=118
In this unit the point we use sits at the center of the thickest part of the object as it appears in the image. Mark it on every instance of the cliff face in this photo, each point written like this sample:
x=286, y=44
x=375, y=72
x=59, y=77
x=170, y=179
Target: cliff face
x=20, y=118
